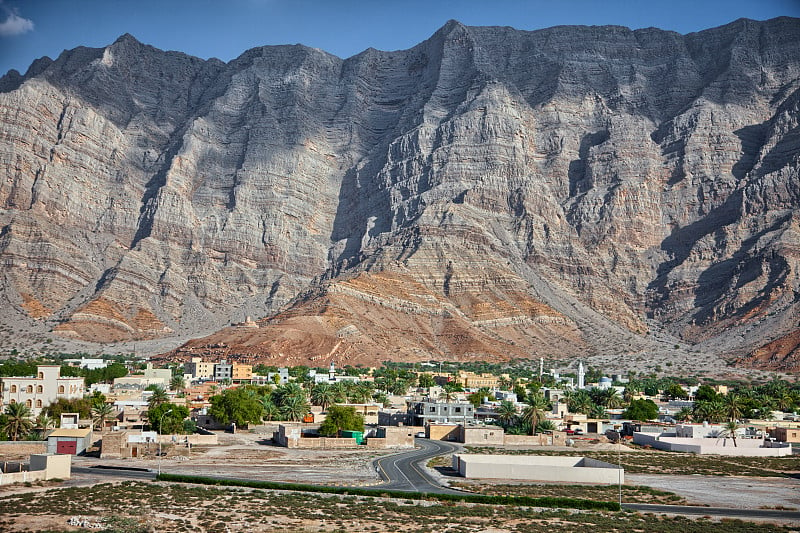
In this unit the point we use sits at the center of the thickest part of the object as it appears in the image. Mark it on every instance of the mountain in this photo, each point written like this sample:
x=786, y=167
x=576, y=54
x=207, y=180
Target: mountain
x=488, y=194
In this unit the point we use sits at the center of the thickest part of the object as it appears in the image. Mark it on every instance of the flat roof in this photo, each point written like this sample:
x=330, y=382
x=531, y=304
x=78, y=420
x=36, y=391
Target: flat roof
x=70, y=432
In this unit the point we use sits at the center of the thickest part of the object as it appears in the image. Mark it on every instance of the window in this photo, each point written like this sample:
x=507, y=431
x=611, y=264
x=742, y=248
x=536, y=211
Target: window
x=13, y=388
x=28, y=403
x=39, y=404
x=29, y=390
x=41, y=375
x=12, y=401
x=458, y=409
x=61, y=389
x=39, y=389
x=433, y=409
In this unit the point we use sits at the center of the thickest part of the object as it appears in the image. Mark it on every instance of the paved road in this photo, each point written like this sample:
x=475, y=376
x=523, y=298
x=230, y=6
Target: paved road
x=713, y=511
x=403, y=471
x=115, y=472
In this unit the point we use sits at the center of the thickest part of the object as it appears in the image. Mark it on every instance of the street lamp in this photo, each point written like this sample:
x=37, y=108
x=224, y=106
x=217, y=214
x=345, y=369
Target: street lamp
x=160, y=424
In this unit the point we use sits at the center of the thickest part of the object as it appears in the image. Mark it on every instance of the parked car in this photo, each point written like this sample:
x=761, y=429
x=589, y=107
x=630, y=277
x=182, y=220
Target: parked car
x=420, y=435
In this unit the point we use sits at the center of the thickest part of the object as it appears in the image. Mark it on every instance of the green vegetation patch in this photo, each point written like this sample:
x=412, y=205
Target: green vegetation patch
x=567, y=503
x=630, y=493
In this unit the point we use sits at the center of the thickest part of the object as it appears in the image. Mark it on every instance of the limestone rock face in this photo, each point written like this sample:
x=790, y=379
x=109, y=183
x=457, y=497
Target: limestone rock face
x=630, y=182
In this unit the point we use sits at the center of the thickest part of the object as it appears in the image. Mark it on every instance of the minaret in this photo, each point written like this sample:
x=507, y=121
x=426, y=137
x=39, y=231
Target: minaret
x=541, y=367
x=581, y=375
x=332, y=372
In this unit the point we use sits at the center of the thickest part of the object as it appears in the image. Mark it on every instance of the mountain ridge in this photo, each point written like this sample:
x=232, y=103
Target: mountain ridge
x=160, y=195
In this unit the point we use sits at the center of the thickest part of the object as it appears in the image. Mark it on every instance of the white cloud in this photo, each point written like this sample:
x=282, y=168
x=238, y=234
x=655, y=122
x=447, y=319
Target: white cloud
x=15, y=25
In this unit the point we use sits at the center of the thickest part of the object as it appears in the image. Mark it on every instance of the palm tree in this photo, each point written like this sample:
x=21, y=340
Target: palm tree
x=683, y=414
x=734, y=406
x=323, y=394
x=730, y=430
x=534, y=413
x=100, y=413
x=545, y=425
x=271, y=411
x=294, y=408
x=18, y=420
x=44, y=422
x=177, y=383
x=362, y=393
x=506, y=412
x=158, y=397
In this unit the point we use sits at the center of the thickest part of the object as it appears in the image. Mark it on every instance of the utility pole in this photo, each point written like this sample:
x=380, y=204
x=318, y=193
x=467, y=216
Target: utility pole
x=160, y=424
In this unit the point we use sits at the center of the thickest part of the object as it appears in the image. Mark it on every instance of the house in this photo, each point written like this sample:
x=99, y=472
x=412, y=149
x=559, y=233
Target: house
x=785, y=434
x=199, y=369
x=69, y=441
x=37, y=392
x=423, y=413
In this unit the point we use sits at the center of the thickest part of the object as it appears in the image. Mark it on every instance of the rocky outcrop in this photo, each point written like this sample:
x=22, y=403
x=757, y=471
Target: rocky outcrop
x=630, y=181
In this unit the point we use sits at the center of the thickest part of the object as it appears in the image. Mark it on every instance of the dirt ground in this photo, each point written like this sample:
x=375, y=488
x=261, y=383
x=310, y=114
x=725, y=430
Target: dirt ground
x=727, y=491
x=253, y=456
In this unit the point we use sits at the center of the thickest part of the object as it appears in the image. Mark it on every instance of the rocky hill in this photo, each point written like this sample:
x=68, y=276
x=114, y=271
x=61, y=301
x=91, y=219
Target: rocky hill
x=490, y=193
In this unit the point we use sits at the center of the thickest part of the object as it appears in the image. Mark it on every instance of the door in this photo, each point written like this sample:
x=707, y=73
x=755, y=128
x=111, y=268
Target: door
x=66, y=447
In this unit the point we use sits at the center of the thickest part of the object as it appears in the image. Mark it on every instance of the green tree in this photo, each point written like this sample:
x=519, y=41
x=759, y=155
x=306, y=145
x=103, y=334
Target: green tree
x=294, y=408
x=675, y=392
x=240, y=405
x=535, y=412
x=82, y=406
x=177, y=383
x=426, y=381
x=158, y=396
x=730, y=430
x=270, y=410
x=43, y=423
x=167, y=418
x=545, y=425
x=18, y=421
x=705, y=393
x=340, y=418
x=101, y=413
x=323, y=394
x=683, y=414
x=641, y=410
x=506, y=413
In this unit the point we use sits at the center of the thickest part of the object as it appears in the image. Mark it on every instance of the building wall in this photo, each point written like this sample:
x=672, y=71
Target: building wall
x=242, y=372
x=785, y=434
x=716, y=446
x=481, y=435
x=538, y=468
x=53, y=466
x=448, y=432
x=394, y=437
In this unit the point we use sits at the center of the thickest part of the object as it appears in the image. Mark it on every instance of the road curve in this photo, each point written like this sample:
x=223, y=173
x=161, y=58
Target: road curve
x=405, y=473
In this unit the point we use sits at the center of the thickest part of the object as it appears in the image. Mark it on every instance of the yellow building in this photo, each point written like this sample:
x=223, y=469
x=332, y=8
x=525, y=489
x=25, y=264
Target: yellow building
x=471, y=380
x=242, y=372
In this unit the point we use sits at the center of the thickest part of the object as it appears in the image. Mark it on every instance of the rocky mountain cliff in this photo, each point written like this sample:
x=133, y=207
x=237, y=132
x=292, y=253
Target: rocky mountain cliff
x=489, y=193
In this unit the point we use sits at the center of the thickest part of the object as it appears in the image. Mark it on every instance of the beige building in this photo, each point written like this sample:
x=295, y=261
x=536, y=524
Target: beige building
x=785, y=434
x=471, y=380
x=199, y=369
x=41, y=390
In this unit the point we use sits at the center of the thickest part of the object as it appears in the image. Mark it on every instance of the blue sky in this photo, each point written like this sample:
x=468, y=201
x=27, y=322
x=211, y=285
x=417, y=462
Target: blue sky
x=30, y=29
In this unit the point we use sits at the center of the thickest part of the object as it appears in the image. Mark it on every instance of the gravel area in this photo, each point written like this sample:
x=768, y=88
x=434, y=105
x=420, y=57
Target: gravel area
x=727, y=491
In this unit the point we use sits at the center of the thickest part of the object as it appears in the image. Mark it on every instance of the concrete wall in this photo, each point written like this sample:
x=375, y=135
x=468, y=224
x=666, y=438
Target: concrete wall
x=394, y=437
x=538, y=468
x=448, y=432
x=42, y=467
x=542, y=439
x=481, y=435
x=54, y=466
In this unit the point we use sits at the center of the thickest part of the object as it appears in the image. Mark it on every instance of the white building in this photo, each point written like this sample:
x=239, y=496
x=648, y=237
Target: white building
x=40, y=390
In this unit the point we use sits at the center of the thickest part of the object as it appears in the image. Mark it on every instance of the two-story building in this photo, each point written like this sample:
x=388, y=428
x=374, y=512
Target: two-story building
x=422, y=413
x=39, y=391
